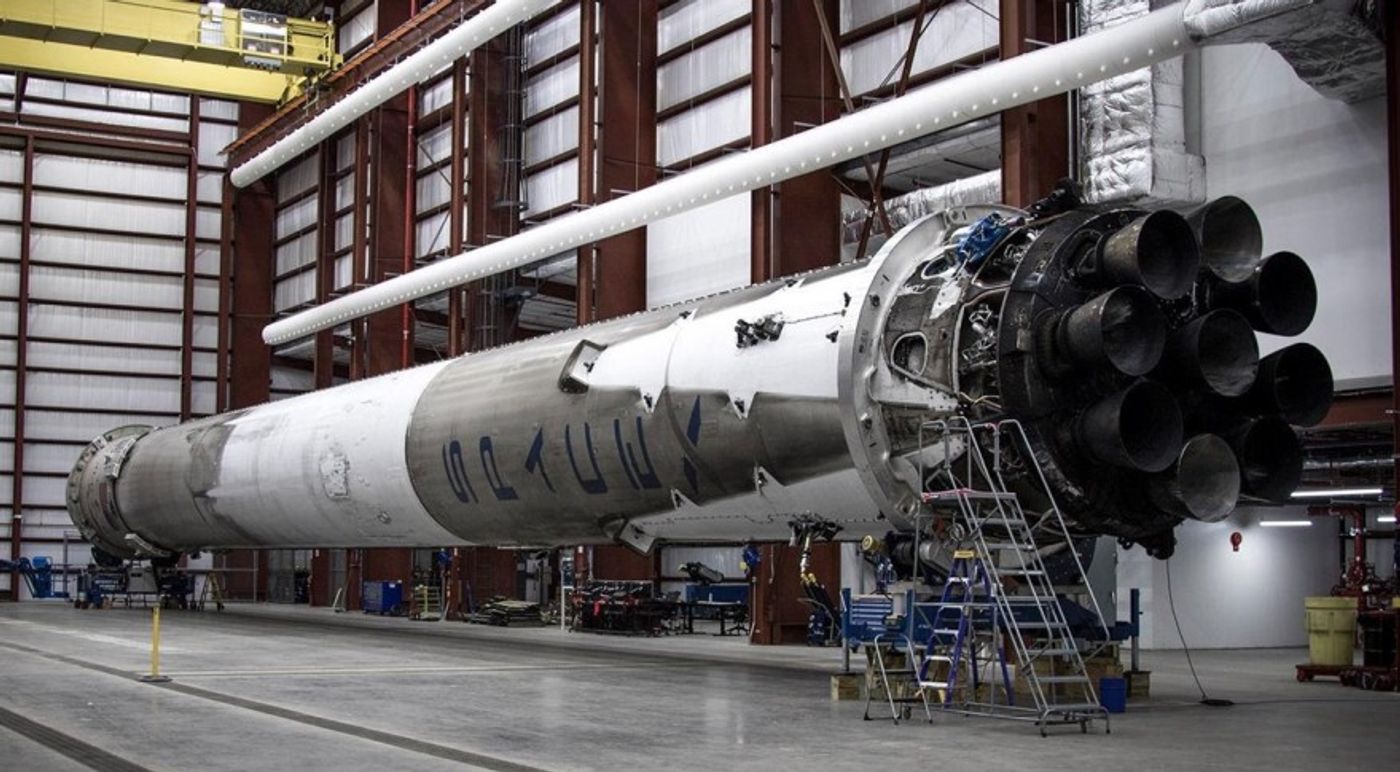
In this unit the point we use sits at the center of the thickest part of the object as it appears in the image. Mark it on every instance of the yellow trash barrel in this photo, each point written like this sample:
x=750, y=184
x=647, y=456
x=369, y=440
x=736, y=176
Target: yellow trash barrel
x=1331, y=630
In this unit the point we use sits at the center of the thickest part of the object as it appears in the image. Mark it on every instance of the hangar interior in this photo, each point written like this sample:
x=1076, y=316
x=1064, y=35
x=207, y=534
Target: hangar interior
x=393, y=348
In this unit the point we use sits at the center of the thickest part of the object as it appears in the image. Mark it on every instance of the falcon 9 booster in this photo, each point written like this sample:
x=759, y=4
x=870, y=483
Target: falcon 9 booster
x=1123, y=340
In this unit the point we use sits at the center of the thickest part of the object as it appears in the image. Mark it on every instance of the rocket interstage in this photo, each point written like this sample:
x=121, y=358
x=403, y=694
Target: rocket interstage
x=1123, y=340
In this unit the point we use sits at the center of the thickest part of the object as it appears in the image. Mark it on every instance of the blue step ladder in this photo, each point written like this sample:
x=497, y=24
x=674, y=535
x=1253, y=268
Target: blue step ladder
x=1018, y=611
x=965, y=622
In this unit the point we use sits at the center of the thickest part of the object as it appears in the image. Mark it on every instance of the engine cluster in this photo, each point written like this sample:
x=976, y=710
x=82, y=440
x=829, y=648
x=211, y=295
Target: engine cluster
x=1125, y=341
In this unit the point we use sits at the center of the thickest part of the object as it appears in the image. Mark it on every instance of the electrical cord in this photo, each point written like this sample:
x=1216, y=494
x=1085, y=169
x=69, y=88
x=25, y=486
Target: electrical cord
x=1213, y=702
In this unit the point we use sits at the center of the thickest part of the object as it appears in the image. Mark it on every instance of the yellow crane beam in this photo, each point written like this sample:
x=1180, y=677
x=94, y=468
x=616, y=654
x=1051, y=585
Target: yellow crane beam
x=183, y=46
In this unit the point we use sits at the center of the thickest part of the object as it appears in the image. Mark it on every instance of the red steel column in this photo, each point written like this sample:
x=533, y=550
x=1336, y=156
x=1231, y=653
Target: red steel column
x=627, y=139
x=1034, y=137
x=587, y=150
x=26, y=218
x=489, y=217
x=191, y=230
x=457, y=211
x=808, y=212
x=1391, y=21
x=760, y=134
x=254, y=212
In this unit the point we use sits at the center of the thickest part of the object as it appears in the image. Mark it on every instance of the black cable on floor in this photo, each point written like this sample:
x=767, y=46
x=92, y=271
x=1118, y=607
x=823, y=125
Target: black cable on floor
x=1214, y=702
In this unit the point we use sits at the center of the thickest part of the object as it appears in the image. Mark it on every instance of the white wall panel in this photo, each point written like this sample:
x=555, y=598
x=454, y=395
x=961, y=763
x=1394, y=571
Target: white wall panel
x=552, y=187
x=344, y=230
x=213, y=138
x=206, y=260
x=708, y=126
x=206, y=295
x=139, y=217
x=9, y=241
x=220, y=109
x=49, y=321
x=358, y=28
x=297, y=178
x=104, y=358
x=11, y=166
x=203, y=398
x=433, y=190
x=11, y=202
x=101, y=249
x=698, y=71
x=552, y=136
x=66, y=426
x=698, y=252
x=855, y=13
x=42, y=492
x=44, y=457
x=9, y=317
x=74, y=285
x=430, y=234
x=206, y=331
x=208, y=222
x=1315, y=171
x=958, y=30
x=9, y=352
x=435, y=97
x=294, y=290
x=551, y=87
x=345, y=152
x=686, y=20
x=120, y=177
x=204, y=364
x=553, y=36
x=82, y=286
x=101, y=392
x=297, y=252
x=9, y=279
x=433, y=146
x=109, y=117
x=209, y=188
x=344, y=271
x=294, y=217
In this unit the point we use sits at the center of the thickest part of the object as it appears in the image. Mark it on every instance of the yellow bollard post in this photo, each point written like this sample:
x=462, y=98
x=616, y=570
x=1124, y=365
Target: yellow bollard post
x=154, y=677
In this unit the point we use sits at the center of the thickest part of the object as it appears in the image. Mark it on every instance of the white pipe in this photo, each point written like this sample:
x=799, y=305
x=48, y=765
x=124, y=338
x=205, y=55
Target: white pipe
x=418, y=67
x=1010, y=83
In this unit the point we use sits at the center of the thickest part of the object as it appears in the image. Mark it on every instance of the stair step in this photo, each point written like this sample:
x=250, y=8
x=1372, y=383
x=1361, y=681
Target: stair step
x=1050, y=652
x=945, y=631
x=933, y=684
x=1064, y=679
x=1075, y=708
x=1050, y=624
x=938, y=658
x=1020, y=572
x=969, y=494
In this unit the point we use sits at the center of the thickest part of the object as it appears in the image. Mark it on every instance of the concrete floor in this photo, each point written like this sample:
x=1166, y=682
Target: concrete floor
x=276, y=687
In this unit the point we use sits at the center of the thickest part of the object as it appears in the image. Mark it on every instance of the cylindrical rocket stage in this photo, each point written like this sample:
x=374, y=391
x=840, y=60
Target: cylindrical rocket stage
x=728, y=417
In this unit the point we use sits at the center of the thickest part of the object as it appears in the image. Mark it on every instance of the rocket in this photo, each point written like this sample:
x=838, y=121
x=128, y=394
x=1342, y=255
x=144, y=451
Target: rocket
x=1123, y=340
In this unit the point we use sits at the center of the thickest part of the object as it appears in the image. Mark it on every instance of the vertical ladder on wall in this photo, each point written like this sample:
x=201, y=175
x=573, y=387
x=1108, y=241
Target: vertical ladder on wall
x=1022, y=598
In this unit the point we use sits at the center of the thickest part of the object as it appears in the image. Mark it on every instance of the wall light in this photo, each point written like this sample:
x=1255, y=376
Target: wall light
x=1386, y=519
x=1285, y=523
x=1337, y=493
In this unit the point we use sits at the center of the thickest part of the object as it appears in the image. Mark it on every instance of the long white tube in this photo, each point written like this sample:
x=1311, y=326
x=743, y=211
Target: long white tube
x=418, y=67
x=1017, y=81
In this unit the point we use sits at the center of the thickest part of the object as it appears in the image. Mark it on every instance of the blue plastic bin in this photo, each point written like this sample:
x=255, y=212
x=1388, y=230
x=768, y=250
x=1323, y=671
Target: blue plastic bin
x=1113, y=694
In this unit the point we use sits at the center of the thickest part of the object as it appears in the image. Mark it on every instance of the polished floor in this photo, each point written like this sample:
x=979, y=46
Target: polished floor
x=269, y=687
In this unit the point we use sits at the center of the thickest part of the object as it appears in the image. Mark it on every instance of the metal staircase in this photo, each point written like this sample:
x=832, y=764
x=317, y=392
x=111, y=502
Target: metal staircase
x=1019, y=607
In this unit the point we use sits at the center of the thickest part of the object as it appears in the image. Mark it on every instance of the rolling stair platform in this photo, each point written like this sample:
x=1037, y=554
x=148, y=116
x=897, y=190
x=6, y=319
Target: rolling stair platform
x=1000, y=605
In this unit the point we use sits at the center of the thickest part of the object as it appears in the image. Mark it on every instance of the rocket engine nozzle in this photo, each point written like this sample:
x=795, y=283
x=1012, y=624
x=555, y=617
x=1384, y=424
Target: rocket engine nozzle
x=1296, y=383
x=1230, y=237
x=1279, y=296
x=1139, y=427
x=1157, y=251
x=1215, y=351
x=1270, y=457
x=1202, y=484
x=1123, y=328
